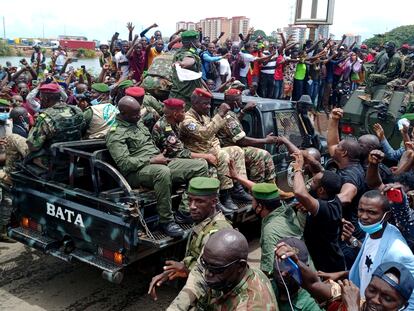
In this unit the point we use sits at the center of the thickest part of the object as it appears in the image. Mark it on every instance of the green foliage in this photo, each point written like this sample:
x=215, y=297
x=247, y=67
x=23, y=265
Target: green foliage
x=257, y=33
x=85, y=53
x=399, y=35
x=5, y=49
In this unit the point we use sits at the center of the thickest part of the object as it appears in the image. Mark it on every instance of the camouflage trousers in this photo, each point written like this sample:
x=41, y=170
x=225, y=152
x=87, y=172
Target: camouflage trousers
x=223, y=157
x=259, y=165
x=16, y=150
x=5, y=208
x=392, y=85
x=373, y=80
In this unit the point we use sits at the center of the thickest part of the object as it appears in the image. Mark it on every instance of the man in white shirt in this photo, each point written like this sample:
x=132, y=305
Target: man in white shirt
x=122, y=60
x=224, y=68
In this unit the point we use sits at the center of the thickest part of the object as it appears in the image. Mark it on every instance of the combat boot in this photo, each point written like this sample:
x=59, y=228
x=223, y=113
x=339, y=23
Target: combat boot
x=226, y=212
x=225, y=199
x=183, y=218
x=172, y=229
x=3, y=236
x=239, y=194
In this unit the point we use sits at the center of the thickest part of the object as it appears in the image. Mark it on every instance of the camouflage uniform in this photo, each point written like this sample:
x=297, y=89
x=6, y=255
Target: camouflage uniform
x=253, y=293
x=151, y=101
x=16, y=150
x=166, y=137
x=259, y=162
x=392, y=85
x=149, y=116
x=195, y=287
x=131, y=146
x=392, y=71
x=184, y=89
x=58, y=123
x=199, y=135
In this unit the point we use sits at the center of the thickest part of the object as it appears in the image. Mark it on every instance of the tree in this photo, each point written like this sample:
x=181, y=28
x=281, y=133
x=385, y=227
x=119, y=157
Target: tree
x=257, y=33
x=399, y=35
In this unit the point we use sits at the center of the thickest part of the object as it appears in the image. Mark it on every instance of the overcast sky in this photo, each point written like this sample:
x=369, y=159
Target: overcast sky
x=99, y=20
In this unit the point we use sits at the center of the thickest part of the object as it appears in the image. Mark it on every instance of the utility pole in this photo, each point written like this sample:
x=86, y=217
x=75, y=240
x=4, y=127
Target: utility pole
x=4, y=28
x=43, y=31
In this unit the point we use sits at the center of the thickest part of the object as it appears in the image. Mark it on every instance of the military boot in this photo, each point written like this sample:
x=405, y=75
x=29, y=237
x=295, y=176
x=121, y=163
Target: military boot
x=3, y=236
x=239, y=194
x=226, y=212
x=225, y=199
x=183, y=218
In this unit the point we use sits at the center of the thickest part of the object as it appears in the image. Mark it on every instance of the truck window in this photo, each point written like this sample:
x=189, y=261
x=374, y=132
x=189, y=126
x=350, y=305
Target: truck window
x=287, y=124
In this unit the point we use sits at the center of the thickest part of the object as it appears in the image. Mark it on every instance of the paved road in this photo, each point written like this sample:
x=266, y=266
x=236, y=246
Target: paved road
x=32, y=281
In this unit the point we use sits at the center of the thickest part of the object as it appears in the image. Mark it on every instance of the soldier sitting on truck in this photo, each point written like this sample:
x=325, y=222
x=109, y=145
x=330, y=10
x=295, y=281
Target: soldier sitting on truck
x=198, y=132
x=202, y=192
x=392, y=71
x=406, y=80
x=143, y=164
x=59, y=122
x=259, y=162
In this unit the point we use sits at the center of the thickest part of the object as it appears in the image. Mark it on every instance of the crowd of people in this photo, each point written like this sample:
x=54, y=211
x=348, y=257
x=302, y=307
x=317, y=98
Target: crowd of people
x=341, y=240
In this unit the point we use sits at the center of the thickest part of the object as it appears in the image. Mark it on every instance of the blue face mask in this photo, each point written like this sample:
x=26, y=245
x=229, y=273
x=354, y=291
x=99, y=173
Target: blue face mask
x=236, y=110
x=4, y=116
x=371, y=229
x=95, y=102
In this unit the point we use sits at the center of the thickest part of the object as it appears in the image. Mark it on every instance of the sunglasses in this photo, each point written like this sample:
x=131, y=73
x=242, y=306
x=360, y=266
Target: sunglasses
x=217, y=269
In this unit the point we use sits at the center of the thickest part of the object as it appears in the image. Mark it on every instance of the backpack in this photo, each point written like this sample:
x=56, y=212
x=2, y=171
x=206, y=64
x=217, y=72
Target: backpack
x=210, y=68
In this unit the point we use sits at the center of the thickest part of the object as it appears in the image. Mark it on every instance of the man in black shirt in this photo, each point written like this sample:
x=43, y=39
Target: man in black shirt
x=324, y=220
x=20, y=121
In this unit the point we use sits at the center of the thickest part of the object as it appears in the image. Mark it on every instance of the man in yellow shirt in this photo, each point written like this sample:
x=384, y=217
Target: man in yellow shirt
x=153, y=50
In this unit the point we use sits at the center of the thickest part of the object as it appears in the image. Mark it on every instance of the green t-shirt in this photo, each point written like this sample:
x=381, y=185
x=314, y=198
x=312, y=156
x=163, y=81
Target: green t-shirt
x=300, y=71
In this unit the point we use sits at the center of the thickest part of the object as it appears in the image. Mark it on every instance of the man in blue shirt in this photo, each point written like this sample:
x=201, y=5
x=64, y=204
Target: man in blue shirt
x=207, y=57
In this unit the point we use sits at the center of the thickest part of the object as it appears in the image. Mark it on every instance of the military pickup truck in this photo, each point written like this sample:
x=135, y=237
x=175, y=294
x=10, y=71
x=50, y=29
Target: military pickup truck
x=360, y=116
x=91, y=214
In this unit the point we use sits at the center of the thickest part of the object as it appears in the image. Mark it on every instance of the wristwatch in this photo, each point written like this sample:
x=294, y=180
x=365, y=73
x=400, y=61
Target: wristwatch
x=354, y=243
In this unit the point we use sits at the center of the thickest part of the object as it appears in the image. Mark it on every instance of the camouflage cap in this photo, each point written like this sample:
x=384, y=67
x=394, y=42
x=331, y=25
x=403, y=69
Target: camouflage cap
x=124, y=84
x=189, y=35
x=100, y=87
x=265, y=191
x=4, y=102
x=203, y=186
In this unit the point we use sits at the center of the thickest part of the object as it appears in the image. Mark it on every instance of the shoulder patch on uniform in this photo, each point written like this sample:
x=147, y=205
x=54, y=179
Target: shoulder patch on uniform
x=171, y=139
x=168, y=128
x=191, y=126
x=232, y=125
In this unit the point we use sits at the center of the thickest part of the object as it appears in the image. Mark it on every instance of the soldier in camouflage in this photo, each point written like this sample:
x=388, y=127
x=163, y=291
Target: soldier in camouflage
x=406, y=80
x=259, y=162
x=233, y=284
x=151, y=109
x=203, y=200
x=59, y=122
x=187, y=57
x=142, y=164
x=392, y=71
x=198, y=132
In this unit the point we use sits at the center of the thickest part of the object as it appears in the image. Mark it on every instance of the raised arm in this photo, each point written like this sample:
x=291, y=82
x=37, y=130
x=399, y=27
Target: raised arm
x=143, y=33
x=373, y=177
x=333, y=134
x=130, y=28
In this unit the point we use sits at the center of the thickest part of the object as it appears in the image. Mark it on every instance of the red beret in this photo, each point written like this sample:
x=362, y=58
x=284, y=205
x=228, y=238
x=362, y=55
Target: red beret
x=405, y=46
x=364, y=46
x=233, y=92
x=202, y=93
x=50, y=88
x=174, y=103
x=135, y=91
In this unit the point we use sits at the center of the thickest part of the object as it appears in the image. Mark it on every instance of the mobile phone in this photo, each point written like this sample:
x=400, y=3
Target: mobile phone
x=289, y=266
x=116, y=34
x=395, y=195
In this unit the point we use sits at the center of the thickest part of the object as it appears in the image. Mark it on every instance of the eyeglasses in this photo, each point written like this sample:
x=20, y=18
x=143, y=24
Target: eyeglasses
x=217, y=269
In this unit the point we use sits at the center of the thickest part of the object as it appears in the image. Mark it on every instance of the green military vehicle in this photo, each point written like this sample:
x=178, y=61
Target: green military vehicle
x=91, y=214
x=360, y=116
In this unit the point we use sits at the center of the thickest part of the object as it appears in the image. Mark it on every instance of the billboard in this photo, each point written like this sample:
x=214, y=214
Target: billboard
x=314, y=12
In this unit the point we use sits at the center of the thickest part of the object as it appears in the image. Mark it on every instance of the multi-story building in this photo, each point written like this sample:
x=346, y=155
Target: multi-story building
x=351, y=38
x=322, y=31
x=298, y=32
x=186, y=25
x=213, y=26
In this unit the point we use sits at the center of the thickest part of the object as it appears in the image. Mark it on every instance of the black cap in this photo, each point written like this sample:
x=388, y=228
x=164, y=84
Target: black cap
x=390, y=45
x=406, y=283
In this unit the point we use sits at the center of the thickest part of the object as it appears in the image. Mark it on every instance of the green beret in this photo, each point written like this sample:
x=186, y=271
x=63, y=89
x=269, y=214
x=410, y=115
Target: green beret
x=203, y=186
x=100, y=87
x=265, y=191
x=190, y=35
x=4, y=102
x=124, y=84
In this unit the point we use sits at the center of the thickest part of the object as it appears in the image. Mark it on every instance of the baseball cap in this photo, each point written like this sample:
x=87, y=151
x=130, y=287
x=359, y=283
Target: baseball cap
x=406, y=281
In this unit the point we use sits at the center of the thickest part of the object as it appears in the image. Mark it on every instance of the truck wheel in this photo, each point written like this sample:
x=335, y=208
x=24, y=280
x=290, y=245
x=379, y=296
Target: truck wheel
x=113, y=277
